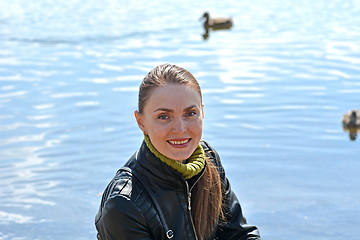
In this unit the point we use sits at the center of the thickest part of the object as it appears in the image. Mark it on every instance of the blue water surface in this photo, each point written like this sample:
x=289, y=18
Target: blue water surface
x=275, y=89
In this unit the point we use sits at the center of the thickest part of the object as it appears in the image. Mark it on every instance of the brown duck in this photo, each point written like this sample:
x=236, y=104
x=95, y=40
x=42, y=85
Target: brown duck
x=216, y=23
x=351, y=119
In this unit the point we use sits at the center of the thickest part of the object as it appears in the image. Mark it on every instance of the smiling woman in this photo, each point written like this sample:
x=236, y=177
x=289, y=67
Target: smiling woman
x=174, y=187
x=172, y=118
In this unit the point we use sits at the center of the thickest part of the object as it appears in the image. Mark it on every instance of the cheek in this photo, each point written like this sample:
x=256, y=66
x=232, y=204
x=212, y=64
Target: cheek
x=196, y=126
x=158, y=129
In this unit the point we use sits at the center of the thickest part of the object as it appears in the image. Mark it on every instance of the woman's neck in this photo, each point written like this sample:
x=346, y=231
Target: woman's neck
x=189, y=167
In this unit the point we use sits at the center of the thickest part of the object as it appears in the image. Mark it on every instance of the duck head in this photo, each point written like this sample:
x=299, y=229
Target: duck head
x=353, y=117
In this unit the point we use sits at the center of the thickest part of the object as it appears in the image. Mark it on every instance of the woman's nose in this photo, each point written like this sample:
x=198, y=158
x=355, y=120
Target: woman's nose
x=179, y=125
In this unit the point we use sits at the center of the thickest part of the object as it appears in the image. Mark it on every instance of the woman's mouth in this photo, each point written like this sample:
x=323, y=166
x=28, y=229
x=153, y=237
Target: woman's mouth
x=179, y=143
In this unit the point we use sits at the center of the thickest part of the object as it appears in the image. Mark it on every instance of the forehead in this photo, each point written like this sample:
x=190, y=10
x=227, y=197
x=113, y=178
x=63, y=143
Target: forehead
x=174, y=96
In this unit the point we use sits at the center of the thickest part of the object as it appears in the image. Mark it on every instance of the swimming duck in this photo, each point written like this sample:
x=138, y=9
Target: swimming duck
x=351, y=119
x=216, y=23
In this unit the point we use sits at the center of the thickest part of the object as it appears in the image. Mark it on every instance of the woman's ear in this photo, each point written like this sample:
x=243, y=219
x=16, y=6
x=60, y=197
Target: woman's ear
x=139, y=120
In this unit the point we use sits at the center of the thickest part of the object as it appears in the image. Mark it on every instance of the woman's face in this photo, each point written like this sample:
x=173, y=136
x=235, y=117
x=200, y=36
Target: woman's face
x=172, y=118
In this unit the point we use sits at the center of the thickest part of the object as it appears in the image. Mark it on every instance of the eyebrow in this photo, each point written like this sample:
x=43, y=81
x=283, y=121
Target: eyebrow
x=171, y=110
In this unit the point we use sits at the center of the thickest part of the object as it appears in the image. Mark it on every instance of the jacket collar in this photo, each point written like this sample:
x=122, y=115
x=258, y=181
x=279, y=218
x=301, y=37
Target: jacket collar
x=147, y=163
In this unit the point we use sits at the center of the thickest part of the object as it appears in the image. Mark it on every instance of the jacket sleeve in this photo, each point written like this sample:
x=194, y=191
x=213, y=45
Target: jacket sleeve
x=121, y=219
x=235, y=226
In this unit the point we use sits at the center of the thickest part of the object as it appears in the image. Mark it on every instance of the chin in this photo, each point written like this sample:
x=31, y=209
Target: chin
x=180, y=157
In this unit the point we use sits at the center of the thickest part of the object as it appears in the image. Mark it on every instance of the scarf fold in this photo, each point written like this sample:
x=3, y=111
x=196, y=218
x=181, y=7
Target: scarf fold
x=194, y=164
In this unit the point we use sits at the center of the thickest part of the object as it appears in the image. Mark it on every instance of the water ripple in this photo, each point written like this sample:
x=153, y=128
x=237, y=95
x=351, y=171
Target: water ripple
x=23, y=138
x=275, y=88
x=73, y=94
x=7, y=218
x=13, y=94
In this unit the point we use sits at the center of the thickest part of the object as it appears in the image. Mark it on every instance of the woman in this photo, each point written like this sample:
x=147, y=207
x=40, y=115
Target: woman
x=174, y=186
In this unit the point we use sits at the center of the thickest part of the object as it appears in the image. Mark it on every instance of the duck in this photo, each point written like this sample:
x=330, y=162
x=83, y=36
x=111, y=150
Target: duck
x=351, y=119
x=216, y=23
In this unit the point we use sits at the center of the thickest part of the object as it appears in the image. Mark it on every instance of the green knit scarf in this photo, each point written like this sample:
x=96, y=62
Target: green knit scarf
x=194, y=164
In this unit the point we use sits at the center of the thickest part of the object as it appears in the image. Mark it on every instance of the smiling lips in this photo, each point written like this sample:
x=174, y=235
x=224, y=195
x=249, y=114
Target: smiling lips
x=179, y=143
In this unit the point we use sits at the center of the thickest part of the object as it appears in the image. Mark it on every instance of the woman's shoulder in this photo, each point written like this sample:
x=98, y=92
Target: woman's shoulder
x=124, y=194
x=120, y=185
x=214, y=156
x=210, y=151
x=124, y=188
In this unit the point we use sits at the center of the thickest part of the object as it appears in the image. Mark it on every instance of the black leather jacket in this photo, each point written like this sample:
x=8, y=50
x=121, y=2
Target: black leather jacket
x=148, y=200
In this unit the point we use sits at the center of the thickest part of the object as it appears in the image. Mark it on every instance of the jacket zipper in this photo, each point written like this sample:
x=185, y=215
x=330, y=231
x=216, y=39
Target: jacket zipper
x=189, y=202
x=189, y=208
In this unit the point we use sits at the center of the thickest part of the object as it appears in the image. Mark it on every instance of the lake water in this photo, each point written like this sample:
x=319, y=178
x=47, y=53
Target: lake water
x=275, y=89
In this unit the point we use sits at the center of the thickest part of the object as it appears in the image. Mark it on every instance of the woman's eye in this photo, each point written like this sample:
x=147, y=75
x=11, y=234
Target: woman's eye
x=191, y=114
x=163, y=117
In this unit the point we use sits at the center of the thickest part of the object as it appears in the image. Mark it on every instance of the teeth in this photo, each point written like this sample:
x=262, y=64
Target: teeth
x=178, y=142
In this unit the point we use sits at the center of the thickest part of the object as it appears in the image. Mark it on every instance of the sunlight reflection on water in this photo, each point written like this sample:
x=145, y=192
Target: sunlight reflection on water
x=275, y=88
